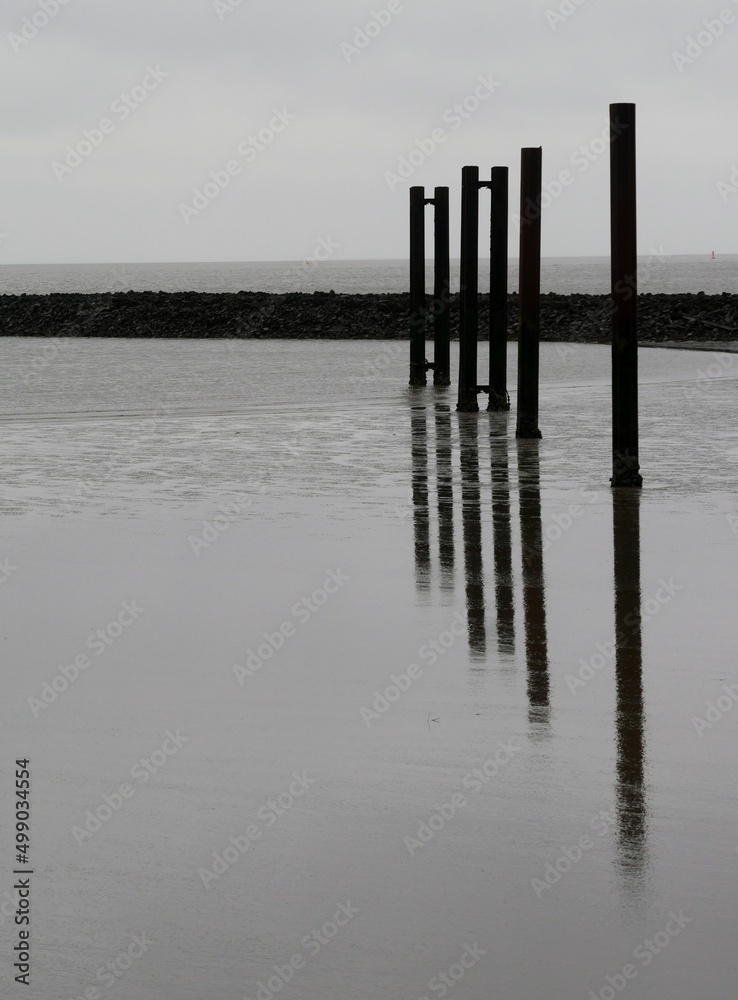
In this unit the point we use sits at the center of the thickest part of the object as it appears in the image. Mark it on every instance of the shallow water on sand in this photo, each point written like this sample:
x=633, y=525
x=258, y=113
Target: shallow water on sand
x=487, y=773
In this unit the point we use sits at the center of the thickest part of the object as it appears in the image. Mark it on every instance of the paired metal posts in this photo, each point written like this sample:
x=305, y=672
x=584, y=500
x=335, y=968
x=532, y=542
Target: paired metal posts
x=441, y=363
x=469, y=292
x=498, y=397
x=624, y=269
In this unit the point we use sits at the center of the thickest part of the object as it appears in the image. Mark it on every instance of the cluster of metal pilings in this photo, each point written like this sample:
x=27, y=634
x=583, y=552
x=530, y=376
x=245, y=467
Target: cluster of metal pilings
x=624, y=266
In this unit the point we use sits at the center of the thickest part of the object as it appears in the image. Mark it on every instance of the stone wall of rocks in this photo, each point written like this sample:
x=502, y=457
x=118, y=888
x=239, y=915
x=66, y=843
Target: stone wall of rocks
x=577, y=318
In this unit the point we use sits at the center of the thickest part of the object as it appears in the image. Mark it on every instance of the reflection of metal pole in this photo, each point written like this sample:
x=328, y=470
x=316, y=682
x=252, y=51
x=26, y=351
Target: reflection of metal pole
x=472, y=528
x=417, y=286
x=625, y=465
x=502, y=543
x=498, y=398
x=421, y=512
x=444, y=478
x=630, y=797
x=534, y=596
x=441, y=291
x=530, y=293
x=469, y=291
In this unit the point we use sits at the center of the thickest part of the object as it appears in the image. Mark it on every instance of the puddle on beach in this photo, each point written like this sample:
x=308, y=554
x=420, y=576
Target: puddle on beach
x=401, y=705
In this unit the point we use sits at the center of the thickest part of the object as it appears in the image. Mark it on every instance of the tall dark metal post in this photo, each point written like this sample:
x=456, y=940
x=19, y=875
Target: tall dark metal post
x=468, y=297
x=441, y=291
x=417, y=286
x=530, y=293
x=623, y=230
x=498, y=398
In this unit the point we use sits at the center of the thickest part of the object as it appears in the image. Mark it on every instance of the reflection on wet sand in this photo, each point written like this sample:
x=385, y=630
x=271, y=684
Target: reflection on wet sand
x=630, y=786
x=502, y=535
x=630, y=737
x=534, y=595
x=471, y=506
x=444, y=483
x=421, y=513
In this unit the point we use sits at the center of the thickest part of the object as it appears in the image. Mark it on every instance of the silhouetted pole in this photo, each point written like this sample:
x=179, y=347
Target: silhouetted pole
x=417, y=286
x=441, y=291
x=498, y=398
x=468, y=304
x=530, y=293
x=623, y=234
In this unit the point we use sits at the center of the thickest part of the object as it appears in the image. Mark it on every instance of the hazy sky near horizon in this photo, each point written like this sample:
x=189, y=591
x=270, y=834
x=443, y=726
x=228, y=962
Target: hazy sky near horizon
x=213, y=130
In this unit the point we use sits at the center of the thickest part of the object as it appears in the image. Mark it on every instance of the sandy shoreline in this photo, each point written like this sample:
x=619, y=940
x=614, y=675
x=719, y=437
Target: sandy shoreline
x=325, y=315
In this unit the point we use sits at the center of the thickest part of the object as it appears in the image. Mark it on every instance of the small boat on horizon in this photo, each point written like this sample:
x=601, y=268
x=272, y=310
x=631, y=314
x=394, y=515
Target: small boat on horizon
x=713, y=257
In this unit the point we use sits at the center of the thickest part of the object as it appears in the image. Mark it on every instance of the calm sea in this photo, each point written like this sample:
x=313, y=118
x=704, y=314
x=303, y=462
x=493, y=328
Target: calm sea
x=558, y=274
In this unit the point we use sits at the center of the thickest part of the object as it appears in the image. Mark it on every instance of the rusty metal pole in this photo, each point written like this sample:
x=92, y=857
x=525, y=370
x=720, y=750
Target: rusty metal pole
x=441, y=290
x=417, y=286
x=468, y=296
x=498, y=397
x=530, y=292
x=623, y=236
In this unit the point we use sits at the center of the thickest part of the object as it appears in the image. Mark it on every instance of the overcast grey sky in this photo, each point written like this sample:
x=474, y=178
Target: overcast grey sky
x=308, y=121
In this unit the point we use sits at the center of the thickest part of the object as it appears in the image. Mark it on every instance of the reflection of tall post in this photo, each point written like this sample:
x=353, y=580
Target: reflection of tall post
x=469, y=290
x=630, y=797
x=502, y=541
x=498, y=398
x=534, y=597
x=472, y=527
x=530, y=293
x=417, y=286
x=421, y=520
x=444, y=477
x=441, y=291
